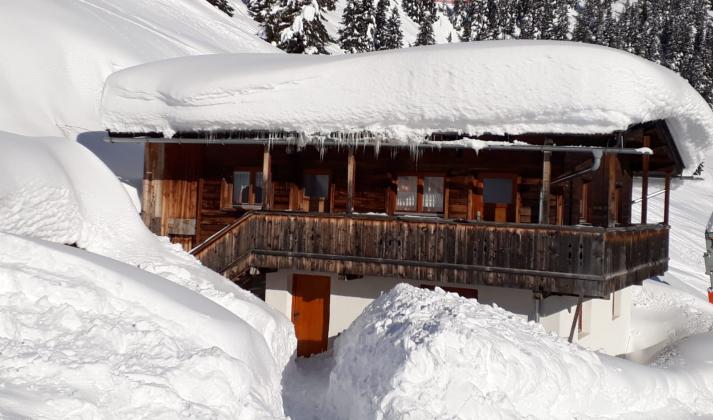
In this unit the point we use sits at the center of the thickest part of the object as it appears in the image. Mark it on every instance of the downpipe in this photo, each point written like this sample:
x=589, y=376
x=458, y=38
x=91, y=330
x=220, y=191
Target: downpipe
x=597, y=155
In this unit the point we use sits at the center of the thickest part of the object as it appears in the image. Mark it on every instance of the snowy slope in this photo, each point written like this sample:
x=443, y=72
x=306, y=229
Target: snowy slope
x=446, y=357
x=496, y=87
x=55, y=55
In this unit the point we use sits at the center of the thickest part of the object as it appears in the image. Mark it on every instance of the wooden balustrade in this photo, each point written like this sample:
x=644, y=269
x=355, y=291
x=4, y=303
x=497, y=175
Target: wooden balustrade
x=568, y=260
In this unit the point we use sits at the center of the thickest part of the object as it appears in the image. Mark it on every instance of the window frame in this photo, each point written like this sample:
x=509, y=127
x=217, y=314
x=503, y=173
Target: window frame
x=420, y=186
x=328, y=200
x=253, y=176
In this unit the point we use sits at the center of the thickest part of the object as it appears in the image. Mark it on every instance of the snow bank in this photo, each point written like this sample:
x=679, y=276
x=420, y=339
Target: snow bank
x=85, y=336
x=419, y=354
x=56, y=190
x=57, y=54
x=495, y=87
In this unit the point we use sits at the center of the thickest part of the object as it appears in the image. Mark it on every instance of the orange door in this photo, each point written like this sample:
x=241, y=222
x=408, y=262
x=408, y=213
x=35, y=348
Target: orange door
x=310, y=313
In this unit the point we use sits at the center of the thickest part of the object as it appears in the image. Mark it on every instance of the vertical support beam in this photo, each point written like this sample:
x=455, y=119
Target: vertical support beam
x=612, y=212
x=575, y=320
x=645, y=183
x=544, y=218
x=351, y=174
x=667, y=198
x=267, y=178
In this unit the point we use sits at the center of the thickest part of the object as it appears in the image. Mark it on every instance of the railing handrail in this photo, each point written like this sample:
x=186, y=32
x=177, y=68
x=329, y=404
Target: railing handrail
x=219, y=234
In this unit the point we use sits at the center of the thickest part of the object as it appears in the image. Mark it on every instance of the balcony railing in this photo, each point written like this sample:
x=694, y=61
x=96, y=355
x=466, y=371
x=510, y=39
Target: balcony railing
x=571, y=260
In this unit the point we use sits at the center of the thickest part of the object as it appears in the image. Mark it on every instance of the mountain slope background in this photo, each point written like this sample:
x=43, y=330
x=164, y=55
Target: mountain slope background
x=55, y=55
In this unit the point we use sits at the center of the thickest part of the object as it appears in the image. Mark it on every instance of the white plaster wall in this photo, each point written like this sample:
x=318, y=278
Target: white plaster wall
x=603, y=332
x=349, y=298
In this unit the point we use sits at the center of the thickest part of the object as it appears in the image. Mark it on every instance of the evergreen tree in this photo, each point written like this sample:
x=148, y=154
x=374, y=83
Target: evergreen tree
x=425, y=33
x=394, y=36
x=358, y=26
x=419, y=10
x=381, y=24
x=297, y=27
x=595, y=22
x=224, y=6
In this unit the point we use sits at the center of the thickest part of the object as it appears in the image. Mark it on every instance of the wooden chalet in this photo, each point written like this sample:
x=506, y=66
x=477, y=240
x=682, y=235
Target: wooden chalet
x=549, y=213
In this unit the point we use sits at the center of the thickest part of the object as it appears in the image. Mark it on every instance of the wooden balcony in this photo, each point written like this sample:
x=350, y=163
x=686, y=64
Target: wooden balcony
x=569, y=260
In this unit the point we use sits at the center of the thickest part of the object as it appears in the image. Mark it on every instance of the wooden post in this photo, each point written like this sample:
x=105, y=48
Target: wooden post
x=667, y=198
x=351, y=174
x=267, y=178
x=611, y=159
x=544, y=218
x=645, y=183
x=575, y=320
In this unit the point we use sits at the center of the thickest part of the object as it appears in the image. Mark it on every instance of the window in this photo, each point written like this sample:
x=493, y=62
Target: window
x=316, y=185
x=247, y=188
x=497, y=190
x=316, y=192
x=407, y=194
x=433, y=194
x=430, y=200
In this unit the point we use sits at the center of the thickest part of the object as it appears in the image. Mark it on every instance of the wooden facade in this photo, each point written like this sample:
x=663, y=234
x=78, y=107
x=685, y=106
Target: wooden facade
x=441, y=214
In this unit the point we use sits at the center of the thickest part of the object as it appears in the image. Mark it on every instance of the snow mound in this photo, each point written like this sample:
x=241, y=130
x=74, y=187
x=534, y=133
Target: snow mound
x=57, y=54
x=56, y=190
x=419, y=354
x=495, y=87
x=85, y=336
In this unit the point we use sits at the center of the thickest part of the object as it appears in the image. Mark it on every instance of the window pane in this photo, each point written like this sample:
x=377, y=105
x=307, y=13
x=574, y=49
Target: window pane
x=258, y=187
x=241, y=187
x=433, y=194
x=497, y=190
x=407, y=193
x=316, y=186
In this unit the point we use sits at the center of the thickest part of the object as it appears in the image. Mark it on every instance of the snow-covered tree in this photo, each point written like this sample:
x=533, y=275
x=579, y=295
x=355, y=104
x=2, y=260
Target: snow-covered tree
x=357, y=27
x=425, y=33
x=595, y=22
x=296, y=26
x=223, y=5
x=381, y=24
x=419, y=10
x=394, y=35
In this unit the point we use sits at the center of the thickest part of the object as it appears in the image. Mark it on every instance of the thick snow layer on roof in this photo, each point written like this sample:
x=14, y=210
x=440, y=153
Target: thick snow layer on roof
x=495, y=87
x=56, y=55
x=54, y=189
x=420, y=354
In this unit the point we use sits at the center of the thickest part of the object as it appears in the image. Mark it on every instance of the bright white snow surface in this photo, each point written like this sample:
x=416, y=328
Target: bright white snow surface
x=442, y=356
x=495, y=87
x=56, y=55
x=128, y=326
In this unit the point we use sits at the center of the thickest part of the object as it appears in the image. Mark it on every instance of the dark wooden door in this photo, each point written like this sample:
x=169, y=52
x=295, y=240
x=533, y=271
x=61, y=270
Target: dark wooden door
x=310, y=313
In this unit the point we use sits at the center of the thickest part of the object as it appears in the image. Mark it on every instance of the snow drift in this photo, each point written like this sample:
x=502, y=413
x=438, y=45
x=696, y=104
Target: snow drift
x=55, y=190
x=419, y=354
x=56, y=54
x=496, y=87
x=85, y=336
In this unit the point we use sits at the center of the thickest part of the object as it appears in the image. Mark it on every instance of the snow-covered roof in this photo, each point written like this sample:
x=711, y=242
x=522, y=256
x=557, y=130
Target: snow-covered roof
x=495, y=87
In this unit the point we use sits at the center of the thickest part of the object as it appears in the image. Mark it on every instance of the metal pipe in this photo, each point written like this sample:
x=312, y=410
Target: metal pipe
x=597, y=154
x=433, y=145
